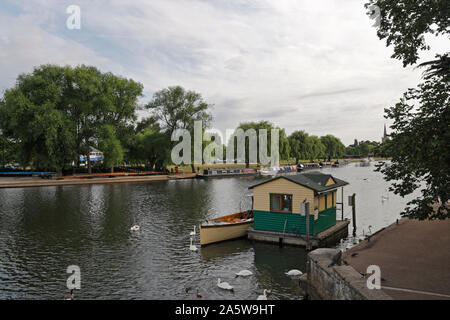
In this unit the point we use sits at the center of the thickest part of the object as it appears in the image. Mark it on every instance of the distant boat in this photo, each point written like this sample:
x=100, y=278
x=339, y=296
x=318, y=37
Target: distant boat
x=228, y=227
x=270, y=171
x=226, y=172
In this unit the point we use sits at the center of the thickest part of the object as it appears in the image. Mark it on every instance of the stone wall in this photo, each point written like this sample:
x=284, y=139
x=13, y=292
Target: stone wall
x=327, y=279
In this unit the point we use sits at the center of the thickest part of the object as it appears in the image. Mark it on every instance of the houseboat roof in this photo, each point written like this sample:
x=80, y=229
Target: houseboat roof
x=313, y=180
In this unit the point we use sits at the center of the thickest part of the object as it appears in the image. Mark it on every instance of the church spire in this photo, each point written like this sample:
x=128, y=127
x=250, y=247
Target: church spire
x=383, y=139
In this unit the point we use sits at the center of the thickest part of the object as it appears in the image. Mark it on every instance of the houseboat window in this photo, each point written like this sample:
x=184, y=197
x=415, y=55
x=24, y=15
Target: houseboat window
x=281, y=202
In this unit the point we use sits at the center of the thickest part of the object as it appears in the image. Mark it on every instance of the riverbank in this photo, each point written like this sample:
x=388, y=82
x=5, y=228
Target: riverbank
x=413, y=256
x=38, y=182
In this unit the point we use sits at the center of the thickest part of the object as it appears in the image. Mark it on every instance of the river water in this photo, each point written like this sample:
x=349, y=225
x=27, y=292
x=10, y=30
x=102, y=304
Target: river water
x=44, y=230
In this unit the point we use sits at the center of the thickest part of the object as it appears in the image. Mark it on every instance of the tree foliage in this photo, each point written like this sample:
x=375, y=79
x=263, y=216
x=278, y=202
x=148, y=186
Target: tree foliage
x=175, y=108
x=56, y=113
x=421, y=148
x=419, y=143
x=299, y=148
x=334, y=148
x=404, y=24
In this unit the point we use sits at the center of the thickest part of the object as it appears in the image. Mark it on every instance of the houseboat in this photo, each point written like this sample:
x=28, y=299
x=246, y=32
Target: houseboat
x=277, y=208
x=271, y=171
x=226, y=172
x=224, y=228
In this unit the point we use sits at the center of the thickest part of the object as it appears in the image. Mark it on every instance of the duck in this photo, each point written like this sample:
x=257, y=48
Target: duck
x=192, y=234
x=135, y=228
x=224, y=285
x=69, y=296
x=263, y=296
x=244, y=273
x=192, y=247
x=198, y=294
x=294, y=272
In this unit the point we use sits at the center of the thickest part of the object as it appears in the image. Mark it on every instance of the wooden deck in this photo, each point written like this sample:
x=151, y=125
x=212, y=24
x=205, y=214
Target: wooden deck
x=326, y=238
x=38, y=182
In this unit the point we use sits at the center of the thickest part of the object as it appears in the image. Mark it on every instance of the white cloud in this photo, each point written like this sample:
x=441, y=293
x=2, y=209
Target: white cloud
x=312, y=65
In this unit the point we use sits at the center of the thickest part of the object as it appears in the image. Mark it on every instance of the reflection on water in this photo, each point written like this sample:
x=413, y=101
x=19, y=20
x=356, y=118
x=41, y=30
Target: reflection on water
x=44, y=230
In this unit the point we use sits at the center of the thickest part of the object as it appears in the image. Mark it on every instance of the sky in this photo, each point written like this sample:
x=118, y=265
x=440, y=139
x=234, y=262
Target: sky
x=306, y=65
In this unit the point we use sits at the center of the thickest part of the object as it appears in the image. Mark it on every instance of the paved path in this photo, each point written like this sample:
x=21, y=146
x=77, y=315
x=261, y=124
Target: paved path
x=414, y=258
x=38, y=182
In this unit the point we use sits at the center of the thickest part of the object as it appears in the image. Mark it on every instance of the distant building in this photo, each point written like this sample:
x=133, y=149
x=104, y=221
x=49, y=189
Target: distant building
x=385, y=136
x=94, y=155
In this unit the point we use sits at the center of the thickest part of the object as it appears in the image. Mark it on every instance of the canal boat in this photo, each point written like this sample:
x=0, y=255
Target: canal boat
x=226, y=172
x=224, y=228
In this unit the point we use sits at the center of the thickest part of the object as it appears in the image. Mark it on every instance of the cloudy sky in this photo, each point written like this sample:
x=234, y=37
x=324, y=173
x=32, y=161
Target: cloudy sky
x=310, y=65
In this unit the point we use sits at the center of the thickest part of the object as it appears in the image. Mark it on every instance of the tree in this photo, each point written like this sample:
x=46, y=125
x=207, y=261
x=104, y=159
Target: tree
x=95, y=99
x=334, y=148
x=110, y=146
x=419, y=141
x=55, y=113
x=299, y=148
x=364, y=149
x=316, y=147
x=32, y=113
x=7, y=150
x=404, y=24
x=420, y=148
x=177, y=108
x=284, y=147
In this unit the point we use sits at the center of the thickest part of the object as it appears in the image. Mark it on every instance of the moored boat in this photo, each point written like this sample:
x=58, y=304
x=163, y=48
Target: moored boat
x=228, y=227
x=226, y=172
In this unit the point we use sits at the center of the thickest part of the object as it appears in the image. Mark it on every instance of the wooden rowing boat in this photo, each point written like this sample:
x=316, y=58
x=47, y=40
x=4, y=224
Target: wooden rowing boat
x=226, y=228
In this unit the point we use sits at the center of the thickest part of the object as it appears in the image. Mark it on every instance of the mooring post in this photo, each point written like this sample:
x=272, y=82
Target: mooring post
x=308, y=245
x=342, y=203
x=354, y=214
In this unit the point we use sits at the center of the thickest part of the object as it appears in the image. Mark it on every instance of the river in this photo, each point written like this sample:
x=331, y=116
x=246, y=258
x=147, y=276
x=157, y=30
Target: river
x=44, y=230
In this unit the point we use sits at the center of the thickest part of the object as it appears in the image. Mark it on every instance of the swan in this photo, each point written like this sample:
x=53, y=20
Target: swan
x=244, y=273
x=69, y=296
x=224, y=285
x=192, y=247
x=192, y=232
x=294, y=272
x=263, y=296
x=135, y=228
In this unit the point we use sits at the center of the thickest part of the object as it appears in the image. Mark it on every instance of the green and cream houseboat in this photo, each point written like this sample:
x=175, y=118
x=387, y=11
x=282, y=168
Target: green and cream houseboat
x=277, y=203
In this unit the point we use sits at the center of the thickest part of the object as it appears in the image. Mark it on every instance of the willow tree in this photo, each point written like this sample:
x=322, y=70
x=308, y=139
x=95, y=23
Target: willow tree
x=175, y=108
x=299, y=148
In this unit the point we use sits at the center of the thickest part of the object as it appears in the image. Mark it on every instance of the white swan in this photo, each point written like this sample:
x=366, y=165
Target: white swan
x=263, y=296
x=135, y=228
x=244, y=273
x=192, y=247
x=192, y=232
x=294, y=272
x=224, y=285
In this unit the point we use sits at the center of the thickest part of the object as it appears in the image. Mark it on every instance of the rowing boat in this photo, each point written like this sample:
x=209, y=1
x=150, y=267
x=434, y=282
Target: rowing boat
x=228, y=227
